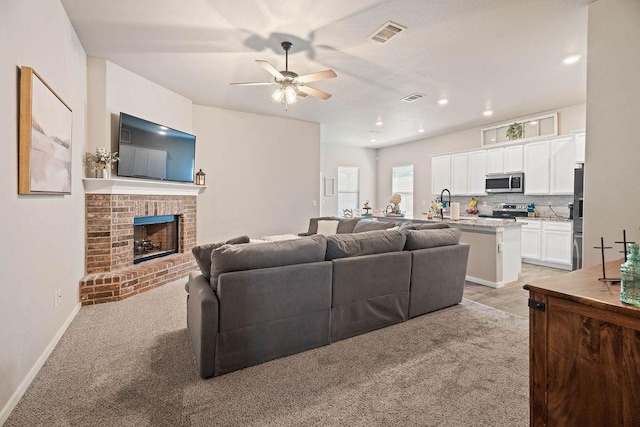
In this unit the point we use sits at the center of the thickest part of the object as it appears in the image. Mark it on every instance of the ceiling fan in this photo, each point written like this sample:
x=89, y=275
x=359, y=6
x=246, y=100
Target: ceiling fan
x=290, y=84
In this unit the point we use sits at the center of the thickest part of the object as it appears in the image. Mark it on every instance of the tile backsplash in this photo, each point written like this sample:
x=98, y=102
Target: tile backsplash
x=558, y=203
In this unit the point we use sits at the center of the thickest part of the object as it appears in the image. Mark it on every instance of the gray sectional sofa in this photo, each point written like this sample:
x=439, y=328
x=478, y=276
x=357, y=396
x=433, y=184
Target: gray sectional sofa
x=260, y=301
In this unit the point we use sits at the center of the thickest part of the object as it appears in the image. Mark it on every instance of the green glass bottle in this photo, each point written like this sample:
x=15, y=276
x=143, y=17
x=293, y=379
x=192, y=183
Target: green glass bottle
x=630, y=276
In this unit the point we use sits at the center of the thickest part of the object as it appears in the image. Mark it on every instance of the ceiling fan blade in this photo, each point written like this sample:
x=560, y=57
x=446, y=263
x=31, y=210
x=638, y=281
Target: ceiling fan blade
x=320, y=75
x=252, y=84
x=314, y=92
x=275, y=73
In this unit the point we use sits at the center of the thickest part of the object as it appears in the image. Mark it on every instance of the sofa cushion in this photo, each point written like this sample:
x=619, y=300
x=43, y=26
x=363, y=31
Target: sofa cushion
x=408, y=225
x=327, y=228
x=364, y=225
x=423, y=239
x=229, y=258
x=346, y=225
x=313, y=223
x=202, y=253
x=365, y=243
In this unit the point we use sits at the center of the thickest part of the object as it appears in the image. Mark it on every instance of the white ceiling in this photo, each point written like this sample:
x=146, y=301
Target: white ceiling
x=503, y=55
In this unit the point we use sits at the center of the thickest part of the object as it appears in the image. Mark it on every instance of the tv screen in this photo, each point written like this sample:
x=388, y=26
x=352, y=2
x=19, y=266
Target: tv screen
x=152, y=151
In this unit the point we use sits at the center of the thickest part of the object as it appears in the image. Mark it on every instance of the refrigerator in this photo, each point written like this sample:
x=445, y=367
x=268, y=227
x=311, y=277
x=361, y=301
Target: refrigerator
x=578, y=184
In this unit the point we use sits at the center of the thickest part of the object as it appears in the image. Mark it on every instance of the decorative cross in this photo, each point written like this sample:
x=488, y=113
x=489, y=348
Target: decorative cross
x=624, y=242
x=604, y=278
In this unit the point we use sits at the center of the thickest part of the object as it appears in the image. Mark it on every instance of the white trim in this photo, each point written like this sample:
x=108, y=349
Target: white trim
x=485, y=282
x=140, y=186
x=556, y=265
x=22, y=388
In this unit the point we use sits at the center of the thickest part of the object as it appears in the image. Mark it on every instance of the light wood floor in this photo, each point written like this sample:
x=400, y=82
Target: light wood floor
x=511, y=298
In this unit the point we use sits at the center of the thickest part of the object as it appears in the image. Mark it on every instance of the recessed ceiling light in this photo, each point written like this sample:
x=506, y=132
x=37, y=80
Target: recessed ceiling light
x=571, y=59
x=379, y=123
x=488, y=113
x=443, y=101
x=421, y=130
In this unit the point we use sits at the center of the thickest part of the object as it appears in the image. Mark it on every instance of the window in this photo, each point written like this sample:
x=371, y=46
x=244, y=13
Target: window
x=402, y=183
x=348, y=188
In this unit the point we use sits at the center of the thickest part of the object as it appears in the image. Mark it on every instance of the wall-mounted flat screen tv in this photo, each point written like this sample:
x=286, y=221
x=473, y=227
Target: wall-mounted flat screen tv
x=152, y=151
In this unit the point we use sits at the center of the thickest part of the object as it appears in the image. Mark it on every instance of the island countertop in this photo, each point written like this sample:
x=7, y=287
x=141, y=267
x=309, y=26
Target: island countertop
x=467, y=224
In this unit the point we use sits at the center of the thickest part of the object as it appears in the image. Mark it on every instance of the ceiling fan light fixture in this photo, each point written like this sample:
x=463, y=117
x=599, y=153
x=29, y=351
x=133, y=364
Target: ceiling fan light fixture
x=278, y=95
x=291, y=94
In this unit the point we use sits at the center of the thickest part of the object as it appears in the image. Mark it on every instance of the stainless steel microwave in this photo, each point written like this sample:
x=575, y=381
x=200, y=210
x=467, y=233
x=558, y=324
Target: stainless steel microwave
x=505, y=183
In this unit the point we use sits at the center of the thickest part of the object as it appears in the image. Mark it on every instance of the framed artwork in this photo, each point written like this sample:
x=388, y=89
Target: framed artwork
x=329, y=186
x=44, y=159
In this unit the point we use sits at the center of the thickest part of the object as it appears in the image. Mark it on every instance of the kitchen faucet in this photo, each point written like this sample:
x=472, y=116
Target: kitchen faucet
x=442, y=202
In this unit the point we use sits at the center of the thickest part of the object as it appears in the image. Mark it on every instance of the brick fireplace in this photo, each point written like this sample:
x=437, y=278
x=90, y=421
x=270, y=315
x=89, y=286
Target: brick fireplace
x=111, y=274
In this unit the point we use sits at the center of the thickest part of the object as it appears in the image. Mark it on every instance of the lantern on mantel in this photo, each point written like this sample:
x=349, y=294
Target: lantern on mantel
x=200, y=177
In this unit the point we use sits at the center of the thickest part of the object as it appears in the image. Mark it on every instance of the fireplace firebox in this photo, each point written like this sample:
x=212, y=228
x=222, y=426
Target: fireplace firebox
x=155, y=237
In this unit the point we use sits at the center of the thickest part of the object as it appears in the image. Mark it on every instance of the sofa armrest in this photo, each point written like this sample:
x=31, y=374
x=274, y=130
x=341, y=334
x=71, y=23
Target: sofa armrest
x=305, y=234
x=202, y=323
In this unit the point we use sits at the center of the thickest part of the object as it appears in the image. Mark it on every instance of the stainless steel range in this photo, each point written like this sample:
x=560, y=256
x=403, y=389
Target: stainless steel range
x=507, y=211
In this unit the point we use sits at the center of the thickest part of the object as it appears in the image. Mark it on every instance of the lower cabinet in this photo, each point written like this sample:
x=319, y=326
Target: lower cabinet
x=546, y=242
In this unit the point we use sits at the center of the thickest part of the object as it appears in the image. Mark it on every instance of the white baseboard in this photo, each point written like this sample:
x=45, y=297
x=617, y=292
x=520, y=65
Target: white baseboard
x=485, y=282
x=15, y=398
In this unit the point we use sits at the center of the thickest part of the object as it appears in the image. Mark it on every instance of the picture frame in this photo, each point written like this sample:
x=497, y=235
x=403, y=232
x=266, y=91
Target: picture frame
x=329, y=186
x=45, y=144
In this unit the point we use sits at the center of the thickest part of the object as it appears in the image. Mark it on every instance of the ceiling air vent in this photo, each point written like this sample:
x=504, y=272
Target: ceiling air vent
x=413, y=97
x=386, y=32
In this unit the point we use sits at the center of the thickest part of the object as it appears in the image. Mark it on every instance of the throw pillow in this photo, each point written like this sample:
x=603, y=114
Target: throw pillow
x=424, y=239
x=328, y=228
x=372, y=225
x=202, y=253
x=229, y=258
x=365, y=243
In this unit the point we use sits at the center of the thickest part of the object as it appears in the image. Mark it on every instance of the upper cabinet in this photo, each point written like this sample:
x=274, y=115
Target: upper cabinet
x=477, y=172
x=495, y=160
x=536, y=168
x=505, y=159
x=440, y=173
x=562, y=157
x=459, y=174
x=513, y=158
x=547, y=165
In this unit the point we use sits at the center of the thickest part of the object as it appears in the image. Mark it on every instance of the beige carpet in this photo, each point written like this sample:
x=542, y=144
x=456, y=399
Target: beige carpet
x=130, y=364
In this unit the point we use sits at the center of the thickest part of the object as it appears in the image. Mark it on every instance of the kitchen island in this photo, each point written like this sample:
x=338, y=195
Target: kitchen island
x=494, y=256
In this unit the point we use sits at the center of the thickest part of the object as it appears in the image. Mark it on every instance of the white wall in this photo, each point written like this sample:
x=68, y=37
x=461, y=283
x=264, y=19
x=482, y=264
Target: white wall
x=262, y=174
x=113, y=89
x=419, y=154
x=41, y=237
x=332, y=156
x=613, y=141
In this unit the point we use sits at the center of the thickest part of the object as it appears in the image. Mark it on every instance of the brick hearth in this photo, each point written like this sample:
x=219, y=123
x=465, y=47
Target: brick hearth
x=111, y=274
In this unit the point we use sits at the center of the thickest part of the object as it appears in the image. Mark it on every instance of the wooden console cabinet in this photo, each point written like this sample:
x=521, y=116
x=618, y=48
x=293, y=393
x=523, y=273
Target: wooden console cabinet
x=584, y=351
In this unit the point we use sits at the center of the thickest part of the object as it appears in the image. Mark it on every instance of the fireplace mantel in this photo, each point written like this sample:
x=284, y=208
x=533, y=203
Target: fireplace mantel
x=140, y=186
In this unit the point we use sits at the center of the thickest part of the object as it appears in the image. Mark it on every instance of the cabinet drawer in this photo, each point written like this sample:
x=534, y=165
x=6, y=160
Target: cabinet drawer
x=530, y=224
x=557, y=226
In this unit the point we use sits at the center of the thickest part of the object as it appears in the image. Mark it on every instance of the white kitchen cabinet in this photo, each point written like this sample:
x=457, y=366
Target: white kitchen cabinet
x=536, y=168
x=477, y=172
x=556, y=242
x=513, y=158
x=459, y=174
x=546, y=242
x=495, y=160
x=531, y=239
x=580, y=147
x=562, y=164
x=440, y=174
